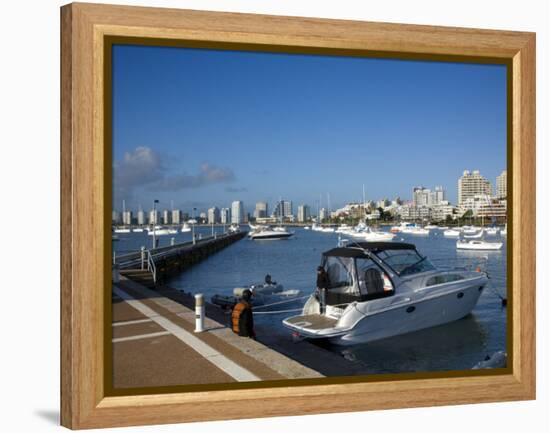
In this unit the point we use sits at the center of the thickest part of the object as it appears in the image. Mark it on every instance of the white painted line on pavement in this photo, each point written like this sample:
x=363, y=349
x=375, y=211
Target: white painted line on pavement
x=131, y=322
x=219, y=360
x=140, y=337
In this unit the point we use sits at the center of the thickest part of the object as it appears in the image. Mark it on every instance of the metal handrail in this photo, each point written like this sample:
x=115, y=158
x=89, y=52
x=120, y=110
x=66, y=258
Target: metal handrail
x=127, y=260
x=151, y=267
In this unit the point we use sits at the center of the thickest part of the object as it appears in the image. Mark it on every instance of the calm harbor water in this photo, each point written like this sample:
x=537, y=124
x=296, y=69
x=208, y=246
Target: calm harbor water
x=454, y=346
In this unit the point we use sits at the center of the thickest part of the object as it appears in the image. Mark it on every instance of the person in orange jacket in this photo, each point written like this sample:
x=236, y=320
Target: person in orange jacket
x=242, y=318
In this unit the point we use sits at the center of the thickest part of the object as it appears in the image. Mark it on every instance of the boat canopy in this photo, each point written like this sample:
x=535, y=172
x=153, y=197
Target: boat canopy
x=357, y=249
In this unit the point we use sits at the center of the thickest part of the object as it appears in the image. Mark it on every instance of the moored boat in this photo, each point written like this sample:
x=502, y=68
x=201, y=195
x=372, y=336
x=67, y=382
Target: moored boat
x=452, y=233
x=122, y=230
x=268, y=233
x=477, y=245
x=381, y=289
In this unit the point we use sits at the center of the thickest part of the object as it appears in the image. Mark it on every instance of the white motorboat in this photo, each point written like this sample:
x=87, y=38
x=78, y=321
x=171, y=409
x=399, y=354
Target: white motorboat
x=234, y=228
x=267, y=233
x=381, y=289
x=415, y=230
x=122, y=230
x=477, y=245
x=452, y=233
x=370, y=235
x=185, y=228
x=307, y=228
x=137, y=230
x=431, y=227
x=160, y=231
x=343, y=228
x=401, y=227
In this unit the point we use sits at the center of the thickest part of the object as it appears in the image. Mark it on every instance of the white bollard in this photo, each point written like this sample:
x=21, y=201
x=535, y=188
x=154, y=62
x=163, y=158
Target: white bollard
x=199, y=312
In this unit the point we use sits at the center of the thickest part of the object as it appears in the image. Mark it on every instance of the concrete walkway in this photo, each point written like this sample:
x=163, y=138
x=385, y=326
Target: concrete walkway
x=154, y=344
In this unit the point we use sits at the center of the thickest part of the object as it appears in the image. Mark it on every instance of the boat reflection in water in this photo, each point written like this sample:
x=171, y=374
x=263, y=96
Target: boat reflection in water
x=431, y=349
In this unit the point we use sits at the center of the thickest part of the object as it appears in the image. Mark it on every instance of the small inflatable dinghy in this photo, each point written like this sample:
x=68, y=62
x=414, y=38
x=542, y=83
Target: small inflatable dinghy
x=262, y=294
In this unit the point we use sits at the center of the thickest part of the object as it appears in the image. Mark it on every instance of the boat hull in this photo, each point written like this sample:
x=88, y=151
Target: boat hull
x=273, y=236
x=486, y=246
x=410, y=316
x=426, y=314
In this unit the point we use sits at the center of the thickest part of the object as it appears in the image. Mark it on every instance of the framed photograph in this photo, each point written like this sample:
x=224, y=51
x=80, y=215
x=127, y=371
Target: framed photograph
x=266, y=216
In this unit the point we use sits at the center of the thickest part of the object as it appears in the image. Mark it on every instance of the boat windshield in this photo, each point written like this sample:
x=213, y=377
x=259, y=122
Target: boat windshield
x=405, y=262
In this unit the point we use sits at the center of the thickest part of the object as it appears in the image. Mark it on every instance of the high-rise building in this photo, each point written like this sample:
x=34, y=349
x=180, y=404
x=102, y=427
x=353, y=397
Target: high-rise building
x=237, y=212
x=166, y=216
x=116, y=219
x=213, y=215
x=421, y=196
x=502, y=185
x=154, y=217
x=261, y=210
x=323, y=214
x=471, y=184
x=283, y=209
x=225, y=215
x=304, y=213
x=437, y=196
x=141, y=217
x=176, y=216
x=127, y=217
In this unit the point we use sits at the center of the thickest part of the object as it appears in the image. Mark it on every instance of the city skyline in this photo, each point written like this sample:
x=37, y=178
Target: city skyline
x=441, y=193
x=308, y=124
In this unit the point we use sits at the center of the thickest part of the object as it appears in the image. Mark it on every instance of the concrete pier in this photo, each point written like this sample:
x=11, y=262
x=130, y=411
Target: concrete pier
x=151, y=267
x=154, y=344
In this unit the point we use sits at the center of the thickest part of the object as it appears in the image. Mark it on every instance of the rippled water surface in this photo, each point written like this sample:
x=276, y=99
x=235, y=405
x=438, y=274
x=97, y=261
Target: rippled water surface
x=454, y=346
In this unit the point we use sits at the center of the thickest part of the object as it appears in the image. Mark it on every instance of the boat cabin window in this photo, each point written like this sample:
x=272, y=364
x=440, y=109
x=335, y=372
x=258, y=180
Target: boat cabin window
x=405, y=262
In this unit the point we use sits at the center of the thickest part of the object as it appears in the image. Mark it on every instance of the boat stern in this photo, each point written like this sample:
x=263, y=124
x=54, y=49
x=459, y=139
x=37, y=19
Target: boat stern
x=313, y=326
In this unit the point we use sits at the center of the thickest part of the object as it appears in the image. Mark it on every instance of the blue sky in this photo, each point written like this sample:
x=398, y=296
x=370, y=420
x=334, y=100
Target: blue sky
x=206, y=127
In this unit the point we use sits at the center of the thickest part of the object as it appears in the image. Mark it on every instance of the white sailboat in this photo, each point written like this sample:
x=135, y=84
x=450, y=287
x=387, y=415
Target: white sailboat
x=475, y=236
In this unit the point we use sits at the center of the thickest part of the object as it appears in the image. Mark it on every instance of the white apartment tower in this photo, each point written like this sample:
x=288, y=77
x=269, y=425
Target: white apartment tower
x=502, y=185
x=237, y=212
x=303, y=213
x=213, y=215
x=176, y=216
x=225, y=215
x=471, y=184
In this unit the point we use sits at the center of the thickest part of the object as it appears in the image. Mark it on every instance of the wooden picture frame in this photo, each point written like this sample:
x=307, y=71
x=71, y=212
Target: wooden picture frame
x=85, y=211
